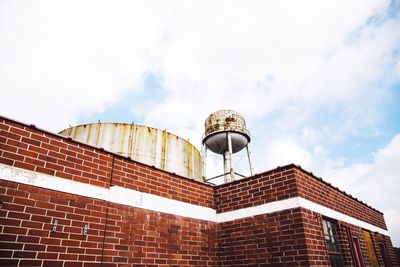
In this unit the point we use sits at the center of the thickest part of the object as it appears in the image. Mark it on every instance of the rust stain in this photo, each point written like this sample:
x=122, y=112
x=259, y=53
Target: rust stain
x=97, y=134
x=122, y=138
x=225, y=120
x=130, y=140
x=188, y=160
x=88, y=134
x=163, y=149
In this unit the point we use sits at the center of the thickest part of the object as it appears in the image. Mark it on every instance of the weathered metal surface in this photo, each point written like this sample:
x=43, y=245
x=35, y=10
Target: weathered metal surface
x=218, y=124
x=225, y=120
x=144, y=144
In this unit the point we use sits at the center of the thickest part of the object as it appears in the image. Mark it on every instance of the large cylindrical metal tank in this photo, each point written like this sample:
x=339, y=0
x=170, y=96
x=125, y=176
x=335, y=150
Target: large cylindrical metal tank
x=218, y=124
x=144, y=144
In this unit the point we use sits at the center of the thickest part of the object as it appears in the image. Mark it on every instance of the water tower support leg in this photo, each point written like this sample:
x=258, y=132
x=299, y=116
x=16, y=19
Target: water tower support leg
x=248, y=157
x=231, y=172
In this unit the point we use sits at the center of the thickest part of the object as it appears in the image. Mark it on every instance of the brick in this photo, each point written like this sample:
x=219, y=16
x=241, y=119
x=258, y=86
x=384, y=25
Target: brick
x=44, y=170
x=12, y=156
x=30, y=263
x=56, y=167
x=39, y=233
x=10, y=135
x=31, y=224
x=53, y=264
x=8, y=237
x=72, y=263
x=40, y=138
x=23, y=165
x=29, y=153
x=58, y=143
x=33, y=210
x=8, y=148
x=24, y=254
x=50, y=147
x=40, y=218
x=10, y=222
x=6, y=253
x=12, y=246
x=47, y=255
x=56, y=249
x=8, y=262
x=14, y=230
x=28, y=239
x=6, y=161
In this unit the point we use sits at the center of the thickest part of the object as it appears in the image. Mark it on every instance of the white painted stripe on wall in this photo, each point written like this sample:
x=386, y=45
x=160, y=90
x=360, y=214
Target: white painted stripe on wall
x=147, y=201
x=115, y=194
x=291, y=203
x=304, y=203
x=23, y=176
x=266, y=208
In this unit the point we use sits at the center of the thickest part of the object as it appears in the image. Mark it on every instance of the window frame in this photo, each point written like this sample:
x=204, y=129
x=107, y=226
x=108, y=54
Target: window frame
x=330, y=232
x=357, y=253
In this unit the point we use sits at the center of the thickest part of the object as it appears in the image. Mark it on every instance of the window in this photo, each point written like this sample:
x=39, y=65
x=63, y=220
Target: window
x=332, y=243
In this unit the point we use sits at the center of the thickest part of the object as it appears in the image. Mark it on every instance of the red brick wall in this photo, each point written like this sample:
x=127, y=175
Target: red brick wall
x=129, y=174
x=314, y=236
x=132, y=235
x=292, y=181
x=26, y=147
x=376, y=239
x=316, y=245
x=275, y=239
x=277, y=184
x=317, y=191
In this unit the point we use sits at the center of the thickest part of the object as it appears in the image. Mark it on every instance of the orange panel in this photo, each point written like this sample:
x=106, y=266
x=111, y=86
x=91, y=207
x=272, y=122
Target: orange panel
x=370, y=248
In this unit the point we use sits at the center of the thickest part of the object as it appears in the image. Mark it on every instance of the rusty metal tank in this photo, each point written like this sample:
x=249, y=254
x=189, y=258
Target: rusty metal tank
x=144, y=144
x=218, y=124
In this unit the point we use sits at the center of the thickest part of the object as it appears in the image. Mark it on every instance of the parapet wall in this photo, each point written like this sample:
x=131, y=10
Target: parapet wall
x=288, y=182
x=28, y=148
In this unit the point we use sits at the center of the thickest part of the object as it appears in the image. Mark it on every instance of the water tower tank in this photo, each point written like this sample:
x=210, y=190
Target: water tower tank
x=226, y=134
x=144, y=144
x=218, y=124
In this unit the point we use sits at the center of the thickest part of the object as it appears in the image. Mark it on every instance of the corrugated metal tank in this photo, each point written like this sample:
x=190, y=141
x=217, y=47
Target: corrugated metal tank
x=144, y=144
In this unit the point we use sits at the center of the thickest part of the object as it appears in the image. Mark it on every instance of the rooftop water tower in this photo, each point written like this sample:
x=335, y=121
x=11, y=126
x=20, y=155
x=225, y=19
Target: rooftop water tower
x=225, y=134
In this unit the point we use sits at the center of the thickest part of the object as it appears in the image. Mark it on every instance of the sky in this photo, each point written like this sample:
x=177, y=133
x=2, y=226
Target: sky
x=318, y=82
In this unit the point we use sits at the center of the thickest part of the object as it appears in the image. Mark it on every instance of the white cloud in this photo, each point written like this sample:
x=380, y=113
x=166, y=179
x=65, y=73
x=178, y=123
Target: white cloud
x=264, y=53
x=283, y=151
x=62, y=59
x=273, y=55
x=376, y=184
x=392, y=218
